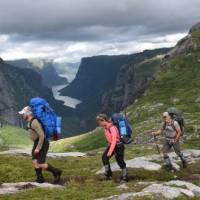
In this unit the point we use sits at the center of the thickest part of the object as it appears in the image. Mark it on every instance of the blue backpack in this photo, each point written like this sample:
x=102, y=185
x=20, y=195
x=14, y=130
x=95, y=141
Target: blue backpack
x=42, y=111
x=124, y=127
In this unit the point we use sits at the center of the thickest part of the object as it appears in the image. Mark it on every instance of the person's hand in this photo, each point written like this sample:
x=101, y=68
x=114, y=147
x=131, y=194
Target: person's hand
x=36, y=151
x=172, y=141
x=108, y=155
x=153, y=133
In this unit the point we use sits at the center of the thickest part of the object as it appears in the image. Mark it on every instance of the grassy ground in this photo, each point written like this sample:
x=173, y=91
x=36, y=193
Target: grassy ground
x=79, y=179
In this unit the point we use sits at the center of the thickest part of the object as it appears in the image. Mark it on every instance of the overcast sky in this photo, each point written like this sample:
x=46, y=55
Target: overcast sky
x=71, y=29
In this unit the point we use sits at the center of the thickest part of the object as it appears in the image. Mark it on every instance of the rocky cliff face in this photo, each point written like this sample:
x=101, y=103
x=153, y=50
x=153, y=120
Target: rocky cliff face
x=95, y=75
x=132, y=80
x=17, y=86
x=110, y=83
x=44, y=67
x=13, y=91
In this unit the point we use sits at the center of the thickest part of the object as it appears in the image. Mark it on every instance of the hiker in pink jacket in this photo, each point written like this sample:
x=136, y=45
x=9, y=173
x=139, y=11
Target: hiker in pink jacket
x=115, y=147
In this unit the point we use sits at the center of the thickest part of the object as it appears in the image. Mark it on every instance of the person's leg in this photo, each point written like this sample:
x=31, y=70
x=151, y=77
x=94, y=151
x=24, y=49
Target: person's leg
x=119, y=156
x=177, y=150
x=106, y=163
x=45, y=166
x=38, y=170
x=166, y=149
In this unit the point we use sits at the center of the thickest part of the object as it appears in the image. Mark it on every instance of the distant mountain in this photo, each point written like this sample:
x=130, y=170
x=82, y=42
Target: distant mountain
x=18, y=86
x=44, y=67
x=67, y=70
x=110, y=83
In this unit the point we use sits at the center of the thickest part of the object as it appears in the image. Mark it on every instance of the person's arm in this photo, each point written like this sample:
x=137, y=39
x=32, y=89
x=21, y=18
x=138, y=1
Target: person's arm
x=178, y=131
x=39, y=130
x=159, y=132
x=114, y=133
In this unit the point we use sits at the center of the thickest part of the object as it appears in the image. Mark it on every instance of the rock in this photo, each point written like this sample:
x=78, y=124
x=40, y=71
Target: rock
x=125, y=196
x=123, y=187
x=194, y=28
x=68, y=154
x=197, y=100
x=148, y=162
x=50, y=154
x=195, y=189
x=10, y=188
x=169, y=190
x=135, y=163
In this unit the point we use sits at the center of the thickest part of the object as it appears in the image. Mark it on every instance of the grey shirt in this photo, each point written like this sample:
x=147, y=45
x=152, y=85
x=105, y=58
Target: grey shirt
x=169, y=129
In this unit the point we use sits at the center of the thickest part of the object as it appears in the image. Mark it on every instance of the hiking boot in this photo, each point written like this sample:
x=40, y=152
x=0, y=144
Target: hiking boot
x=108, y=172
x=56, y=173
x=184, y=163
x=108, y=175
x=124, y=179
x=57, y=176
x=40, y=178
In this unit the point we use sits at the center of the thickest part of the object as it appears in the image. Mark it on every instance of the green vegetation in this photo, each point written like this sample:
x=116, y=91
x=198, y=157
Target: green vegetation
x=11, y=136
x=85, y=142
x=79, y=179
x=177, y=84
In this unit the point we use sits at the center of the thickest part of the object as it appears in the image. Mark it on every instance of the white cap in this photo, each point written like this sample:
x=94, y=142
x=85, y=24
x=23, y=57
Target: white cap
x=165, y=114
x=26, y=111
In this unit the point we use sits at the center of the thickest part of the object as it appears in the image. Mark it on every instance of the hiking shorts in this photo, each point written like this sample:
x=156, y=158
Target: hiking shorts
x=167, y=147
x=41, y=156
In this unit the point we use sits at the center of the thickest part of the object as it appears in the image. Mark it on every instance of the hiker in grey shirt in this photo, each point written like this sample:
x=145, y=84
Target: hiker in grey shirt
x=172, y=132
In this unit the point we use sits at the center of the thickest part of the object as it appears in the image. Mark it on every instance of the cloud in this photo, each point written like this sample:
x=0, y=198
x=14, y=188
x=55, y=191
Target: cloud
x=75, y=28
x=74, y=51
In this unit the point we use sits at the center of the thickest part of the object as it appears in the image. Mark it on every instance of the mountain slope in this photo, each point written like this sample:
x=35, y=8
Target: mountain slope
x=176, y=84
x=17, y=87
x=109, y=83
x=44, y=67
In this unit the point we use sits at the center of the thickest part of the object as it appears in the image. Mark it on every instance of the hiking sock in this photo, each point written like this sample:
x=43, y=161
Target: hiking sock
x=124, y=174
x=40, y=178
x=56, y=173
x=108, y=172
x=168, y=163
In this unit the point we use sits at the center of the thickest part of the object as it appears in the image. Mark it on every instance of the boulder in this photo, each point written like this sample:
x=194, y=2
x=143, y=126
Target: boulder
x=10, y=188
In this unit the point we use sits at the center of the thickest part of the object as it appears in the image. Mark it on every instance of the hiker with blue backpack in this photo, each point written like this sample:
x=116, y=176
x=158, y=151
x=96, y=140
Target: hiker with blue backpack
x=39, y=133
x=115, y=143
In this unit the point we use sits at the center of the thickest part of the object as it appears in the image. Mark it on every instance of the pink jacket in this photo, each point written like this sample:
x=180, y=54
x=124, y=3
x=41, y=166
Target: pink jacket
x=112, y=136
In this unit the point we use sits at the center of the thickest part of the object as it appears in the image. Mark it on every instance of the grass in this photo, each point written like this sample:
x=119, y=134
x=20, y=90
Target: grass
x=12, y=136
x=80, y=181
x=84, y=142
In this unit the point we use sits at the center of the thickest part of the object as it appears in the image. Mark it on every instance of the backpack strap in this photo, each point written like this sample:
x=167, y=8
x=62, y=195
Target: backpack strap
x=173, y=126
x=110, y=128
x=30, y=124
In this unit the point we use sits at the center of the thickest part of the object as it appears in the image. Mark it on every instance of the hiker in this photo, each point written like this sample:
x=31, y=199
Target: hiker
x=172, y=132
x=40, y=147
x=115, y=147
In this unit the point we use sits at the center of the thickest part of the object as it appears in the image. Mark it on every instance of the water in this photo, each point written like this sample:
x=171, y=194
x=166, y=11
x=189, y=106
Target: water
x=68, y=101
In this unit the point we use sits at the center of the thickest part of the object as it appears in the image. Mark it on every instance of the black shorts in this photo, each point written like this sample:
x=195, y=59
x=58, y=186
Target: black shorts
x=41, y=156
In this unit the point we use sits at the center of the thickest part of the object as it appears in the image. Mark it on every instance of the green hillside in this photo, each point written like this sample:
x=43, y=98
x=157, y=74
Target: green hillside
x=84, y=142
x=176, y=84
x=11, y=136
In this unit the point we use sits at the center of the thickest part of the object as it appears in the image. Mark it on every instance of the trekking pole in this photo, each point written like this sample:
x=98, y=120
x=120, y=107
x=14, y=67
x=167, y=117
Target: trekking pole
x=157, y=146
